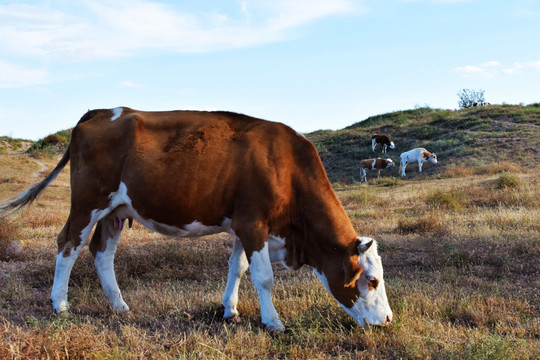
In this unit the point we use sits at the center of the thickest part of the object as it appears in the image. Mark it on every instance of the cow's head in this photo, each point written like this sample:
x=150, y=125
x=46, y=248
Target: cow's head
x=363, y=295
x=389, y=163
x=429, y=157
x=392, y=146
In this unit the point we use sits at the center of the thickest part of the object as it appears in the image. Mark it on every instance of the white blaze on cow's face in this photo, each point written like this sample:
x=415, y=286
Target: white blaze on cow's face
x=433, y=159
x=389, y=163
x=392, y=146
x=372, y=306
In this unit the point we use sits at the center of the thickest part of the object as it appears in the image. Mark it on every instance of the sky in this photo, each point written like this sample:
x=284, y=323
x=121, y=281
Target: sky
x=311, y=64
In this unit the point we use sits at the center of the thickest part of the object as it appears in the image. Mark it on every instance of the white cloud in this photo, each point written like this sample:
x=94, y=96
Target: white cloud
x=88, y=30
x=13, y=76
x=470, y=69
x=493, y=68
x=491, y=64
x=440, y=1
x=130, y=84
x=533, y=64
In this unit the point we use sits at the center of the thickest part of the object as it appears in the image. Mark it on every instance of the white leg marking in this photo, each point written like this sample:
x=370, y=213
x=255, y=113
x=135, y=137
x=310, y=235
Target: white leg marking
x=419, y=165
x=263, y=279
x=238, y=265
x=64, y=264
x=373, y=144
x=403, y=165
x=105, y=267
x=117, y=112
x=59, y=294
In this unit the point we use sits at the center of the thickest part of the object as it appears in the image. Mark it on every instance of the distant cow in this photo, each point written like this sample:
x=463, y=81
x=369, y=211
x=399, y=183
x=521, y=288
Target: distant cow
x=480, y=103
x=374, y=164
x=383, y=141
x=191, y=173
x=419, y=155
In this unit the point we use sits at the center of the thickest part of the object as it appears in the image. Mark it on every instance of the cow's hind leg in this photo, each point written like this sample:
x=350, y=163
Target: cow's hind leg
x=103, y=247
x=238, y=265
x=70, y=242
x=403, y=165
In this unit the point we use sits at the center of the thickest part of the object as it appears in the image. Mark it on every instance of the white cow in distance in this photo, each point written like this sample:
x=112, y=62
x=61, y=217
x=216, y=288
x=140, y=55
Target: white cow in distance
x=419, y=155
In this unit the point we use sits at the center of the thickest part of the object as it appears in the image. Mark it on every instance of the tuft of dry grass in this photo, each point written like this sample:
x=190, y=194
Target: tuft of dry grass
x=429, y=223
x=507, y=180
x=9, y=239
x=446, y=200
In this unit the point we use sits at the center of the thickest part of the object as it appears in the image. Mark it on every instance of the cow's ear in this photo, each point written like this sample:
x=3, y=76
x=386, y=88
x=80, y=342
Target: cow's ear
x=351, y=267
x=352, y=271
x=363, y=247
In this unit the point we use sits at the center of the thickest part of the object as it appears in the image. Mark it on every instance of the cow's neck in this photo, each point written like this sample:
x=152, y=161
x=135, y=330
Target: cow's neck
x=320, y=230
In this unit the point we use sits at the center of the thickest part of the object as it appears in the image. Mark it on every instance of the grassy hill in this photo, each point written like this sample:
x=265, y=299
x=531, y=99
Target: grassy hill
x=460, y=249
x=471, y=138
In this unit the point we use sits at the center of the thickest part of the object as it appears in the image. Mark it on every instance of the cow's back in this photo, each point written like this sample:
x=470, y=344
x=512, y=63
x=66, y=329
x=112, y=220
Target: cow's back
x=182, y=166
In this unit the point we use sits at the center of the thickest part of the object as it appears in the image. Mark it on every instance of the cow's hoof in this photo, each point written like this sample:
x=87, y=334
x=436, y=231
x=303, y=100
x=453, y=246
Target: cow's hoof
x=62, y=314
x=235, y=319
x=122, y=308
x=275, y=328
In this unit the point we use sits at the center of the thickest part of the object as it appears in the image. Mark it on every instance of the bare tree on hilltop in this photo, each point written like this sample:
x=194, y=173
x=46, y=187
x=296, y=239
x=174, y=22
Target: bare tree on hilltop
x=469, y=98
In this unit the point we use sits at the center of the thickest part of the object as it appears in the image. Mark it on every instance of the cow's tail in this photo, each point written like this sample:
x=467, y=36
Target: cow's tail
x=11, y=205
x=14, y=204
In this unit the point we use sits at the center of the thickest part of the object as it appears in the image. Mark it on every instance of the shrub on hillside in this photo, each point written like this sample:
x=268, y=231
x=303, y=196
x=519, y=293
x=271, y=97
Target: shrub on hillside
x=507, y=180
x=469, y=98
x=422, y=225
x=51, y=144
x=452, y=200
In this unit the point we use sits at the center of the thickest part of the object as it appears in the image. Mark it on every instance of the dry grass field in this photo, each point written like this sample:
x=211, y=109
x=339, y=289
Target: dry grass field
x=460, y=249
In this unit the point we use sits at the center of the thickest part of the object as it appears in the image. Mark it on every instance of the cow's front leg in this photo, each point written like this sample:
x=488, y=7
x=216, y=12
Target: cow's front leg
x=263, y=279
x=238, y=265
x=420, y=166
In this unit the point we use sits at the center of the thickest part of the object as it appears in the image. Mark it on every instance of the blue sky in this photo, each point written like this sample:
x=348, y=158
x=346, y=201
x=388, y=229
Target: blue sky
x=312, y=64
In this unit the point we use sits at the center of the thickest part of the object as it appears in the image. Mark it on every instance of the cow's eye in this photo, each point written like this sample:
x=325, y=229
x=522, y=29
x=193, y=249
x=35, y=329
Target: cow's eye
x=372, y=282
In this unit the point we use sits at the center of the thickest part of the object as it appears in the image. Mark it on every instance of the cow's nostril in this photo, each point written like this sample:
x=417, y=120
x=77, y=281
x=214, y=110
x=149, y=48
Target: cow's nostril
x=388, y=320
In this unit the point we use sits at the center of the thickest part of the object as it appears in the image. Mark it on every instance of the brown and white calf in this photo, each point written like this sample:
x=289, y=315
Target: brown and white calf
x=383, y=141
x=418, y=155
x=190, y=173
x=374, y=164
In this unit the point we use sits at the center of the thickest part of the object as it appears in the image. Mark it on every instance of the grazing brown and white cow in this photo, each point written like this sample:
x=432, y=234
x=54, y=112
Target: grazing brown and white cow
x=190, y=173
x=374, y=164
x=419, y=155
x=383, y=141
